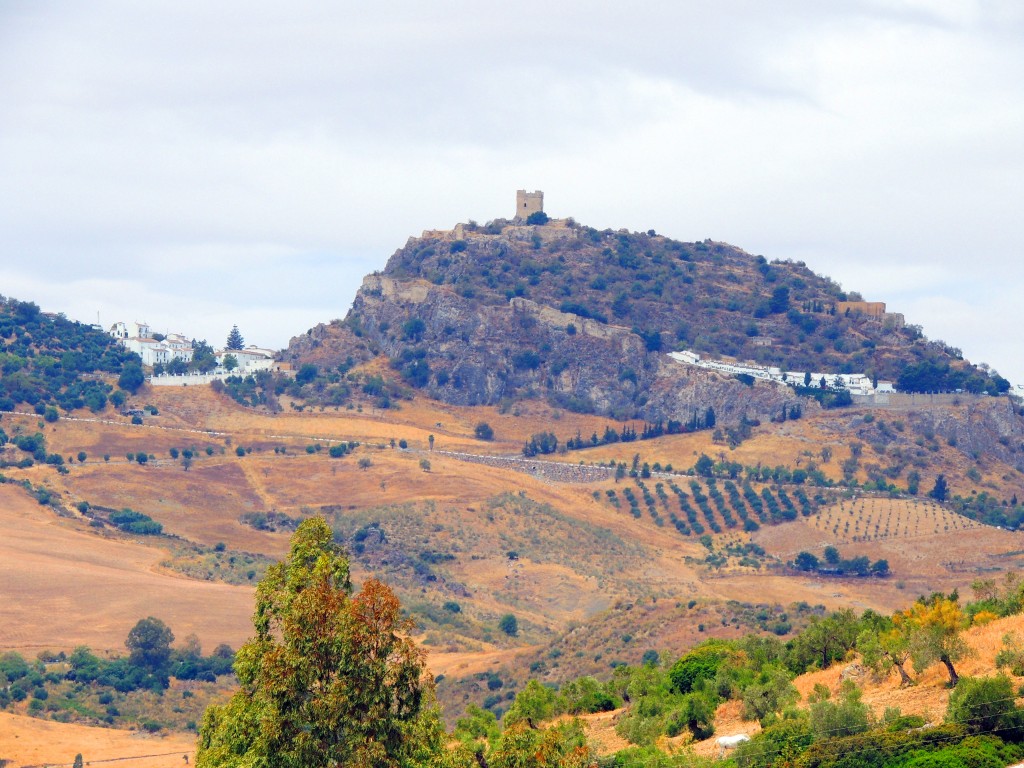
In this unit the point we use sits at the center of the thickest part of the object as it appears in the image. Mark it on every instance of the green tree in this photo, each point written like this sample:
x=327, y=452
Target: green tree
x=230, y=362
x=131, y=377
x=149, y=644
x=883, y=650
x=532, y=705
x=306, y=373
x=934, y=629
x=509, y=624
x=483, y=431
x=805, y=561
x=940, y=490
x=78, y=761
x=537, y=217
x=477, y=723
x=560, y=746
x=709, y=418
x=701, y=663
x=705, y=466
x=697, y=713
x=331, y=678
x=203, y=359
x=826, y=639
x=770, y=693
x=235, y=340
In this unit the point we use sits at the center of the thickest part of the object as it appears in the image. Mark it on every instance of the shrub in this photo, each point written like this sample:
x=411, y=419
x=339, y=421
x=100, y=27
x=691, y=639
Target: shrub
x=701, y=663
x=984, y=704
x=509, y=625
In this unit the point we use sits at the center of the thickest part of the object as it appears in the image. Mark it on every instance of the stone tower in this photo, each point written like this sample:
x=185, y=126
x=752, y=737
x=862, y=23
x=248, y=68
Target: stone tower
x=527, y=203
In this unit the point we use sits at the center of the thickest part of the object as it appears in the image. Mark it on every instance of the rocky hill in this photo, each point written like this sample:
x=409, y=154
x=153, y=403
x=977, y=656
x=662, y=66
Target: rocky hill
x=583, y=318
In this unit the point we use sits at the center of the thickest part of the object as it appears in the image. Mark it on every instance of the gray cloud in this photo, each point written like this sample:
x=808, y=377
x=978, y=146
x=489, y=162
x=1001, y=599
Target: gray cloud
x=206, y=163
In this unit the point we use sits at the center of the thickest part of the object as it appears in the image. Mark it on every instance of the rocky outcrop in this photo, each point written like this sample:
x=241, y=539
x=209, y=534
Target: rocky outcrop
x=583, y=319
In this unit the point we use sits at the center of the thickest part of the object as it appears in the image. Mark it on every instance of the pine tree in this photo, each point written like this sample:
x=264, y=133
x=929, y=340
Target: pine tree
x=941, y=489
x=235, y=340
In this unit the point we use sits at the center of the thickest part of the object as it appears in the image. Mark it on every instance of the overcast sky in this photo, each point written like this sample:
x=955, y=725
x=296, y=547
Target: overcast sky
x=198, y=164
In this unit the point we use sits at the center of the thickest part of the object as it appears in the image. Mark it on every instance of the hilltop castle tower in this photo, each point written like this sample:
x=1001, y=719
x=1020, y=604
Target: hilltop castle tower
x=528, y=202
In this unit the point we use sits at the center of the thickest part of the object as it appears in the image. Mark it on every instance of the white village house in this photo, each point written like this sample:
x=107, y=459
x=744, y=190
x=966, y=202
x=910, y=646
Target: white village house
x=856, y=383
x=248, y=360
x=138, y=338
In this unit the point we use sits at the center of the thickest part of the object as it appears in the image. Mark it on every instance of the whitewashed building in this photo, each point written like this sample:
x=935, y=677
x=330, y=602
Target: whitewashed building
x=855, y=383
x=250, y=359
x=139, y=338
x=133, y=330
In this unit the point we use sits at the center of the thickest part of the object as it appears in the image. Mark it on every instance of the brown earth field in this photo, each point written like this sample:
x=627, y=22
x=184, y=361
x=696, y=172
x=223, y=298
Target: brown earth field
x=556, y=554
x=65, y=586
x=204, y=504
x=30, y=741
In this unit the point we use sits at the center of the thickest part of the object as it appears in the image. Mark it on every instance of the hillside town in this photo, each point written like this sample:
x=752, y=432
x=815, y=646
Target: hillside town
x=855, y=383
x=170, y=355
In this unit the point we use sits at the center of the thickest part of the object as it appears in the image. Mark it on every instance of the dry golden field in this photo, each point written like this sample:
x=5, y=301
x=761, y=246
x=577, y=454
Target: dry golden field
x=578, y=562
x=31, y=741
x=547, y=584
x=65, y=586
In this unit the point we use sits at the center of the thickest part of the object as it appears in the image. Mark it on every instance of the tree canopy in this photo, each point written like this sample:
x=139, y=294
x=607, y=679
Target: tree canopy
x=331, y=678
x=235, y=340
x=149, y=644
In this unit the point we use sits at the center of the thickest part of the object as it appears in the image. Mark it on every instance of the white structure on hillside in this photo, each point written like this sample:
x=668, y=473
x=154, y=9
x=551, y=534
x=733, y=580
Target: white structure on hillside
x=139, y=338
x=135, y=330
x=856, y=383
x=248, y=360
x=155, y=349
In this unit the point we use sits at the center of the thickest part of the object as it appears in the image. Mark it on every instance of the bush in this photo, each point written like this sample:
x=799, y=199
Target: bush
x=984, y=704
x=483, y=431
x=537, y=218
x=701, y=663
x=131, y=378
x=509, y=625
x=845, y=717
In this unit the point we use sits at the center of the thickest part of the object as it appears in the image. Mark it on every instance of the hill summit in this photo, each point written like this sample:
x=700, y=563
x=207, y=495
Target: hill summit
x=550, y=309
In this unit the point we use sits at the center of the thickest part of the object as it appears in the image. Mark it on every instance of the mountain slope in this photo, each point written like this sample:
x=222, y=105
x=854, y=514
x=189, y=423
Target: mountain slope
x=582, y=318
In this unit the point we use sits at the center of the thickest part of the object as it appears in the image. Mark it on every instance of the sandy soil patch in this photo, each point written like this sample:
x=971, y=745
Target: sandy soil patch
x=27, y=741
x=64, y=587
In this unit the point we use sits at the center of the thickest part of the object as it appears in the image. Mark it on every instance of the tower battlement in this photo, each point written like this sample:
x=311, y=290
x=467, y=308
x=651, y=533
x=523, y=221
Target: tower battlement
x=528, y=202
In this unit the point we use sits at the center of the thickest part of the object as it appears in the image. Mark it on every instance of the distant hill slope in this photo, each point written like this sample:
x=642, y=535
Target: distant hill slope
x=50, y=360
x=582, y=318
